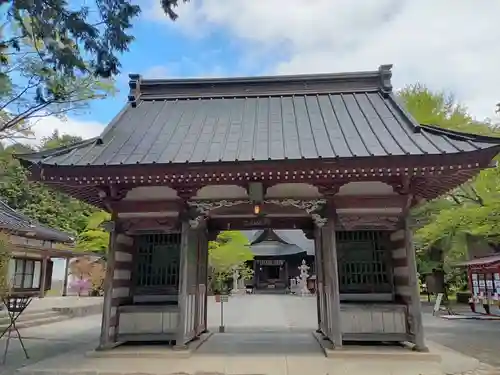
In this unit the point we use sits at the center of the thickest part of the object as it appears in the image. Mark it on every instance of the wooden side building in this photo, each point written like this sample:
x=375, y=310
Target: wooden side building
x=335, y=155
x=32, y=247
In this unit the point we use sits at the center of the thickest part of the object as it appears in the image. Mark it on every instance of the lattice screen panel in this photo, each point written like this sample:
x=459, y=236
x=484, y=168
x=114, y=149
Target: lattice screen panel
x=364, y=262
x=157, y=266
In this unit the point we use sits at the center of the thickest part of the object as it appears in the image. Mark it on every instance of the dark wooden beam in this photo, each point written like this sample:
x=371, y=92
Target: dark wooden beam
x=260, y=223
x=340, y=202
x=368, y=201
x=148, y=206
x=149, y=224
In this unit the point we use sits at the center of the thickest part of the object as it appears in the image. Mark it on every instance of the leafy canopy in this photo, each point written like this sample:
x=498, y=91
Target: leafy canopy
x=72, y=39
x=229, y=251
x=56, y=56
x=227, y=254
x=36, y=200
x=473, y=208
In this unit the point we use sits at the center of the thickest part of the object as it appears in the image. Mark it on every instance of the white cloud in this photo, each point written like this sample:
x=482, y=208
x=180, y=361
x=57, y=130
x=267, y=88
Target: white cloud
x=45, y=126
x=447, y=44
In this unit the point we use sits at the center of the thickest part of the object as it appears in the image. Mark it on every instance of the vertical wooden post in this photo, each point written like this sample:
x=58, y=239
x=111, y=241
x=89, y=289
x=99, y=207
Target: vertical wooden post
x=319, y=275
x=197, y=276
x=183, y=286
x=66, y=276
x=332, y=280
x=104, y=340
x=415, y=307
x=43, y=276
x=205, y=264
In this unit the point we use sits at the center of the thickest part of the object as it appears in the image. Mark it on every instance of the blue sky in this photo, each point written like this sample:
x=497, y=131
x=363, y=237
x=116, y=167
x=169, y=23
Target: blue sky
x=165, y=51
x=456, y=51
x=424, y=41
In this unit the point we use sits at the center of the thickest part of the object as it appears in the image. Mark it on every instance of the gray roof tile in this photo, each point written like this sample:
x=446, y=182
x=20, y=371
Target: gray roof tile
x=264, y=118
x=13, y=220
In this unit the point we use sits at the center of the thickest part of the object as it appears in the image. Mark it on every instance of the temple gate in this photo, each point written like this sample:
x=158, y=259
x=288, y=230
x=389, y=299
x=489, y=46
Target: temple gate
x=334, y=155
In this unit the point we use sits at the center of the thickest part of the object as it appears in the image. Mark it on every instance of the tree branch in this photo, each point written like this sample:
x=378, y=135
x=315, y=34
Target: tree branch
x=20, y=94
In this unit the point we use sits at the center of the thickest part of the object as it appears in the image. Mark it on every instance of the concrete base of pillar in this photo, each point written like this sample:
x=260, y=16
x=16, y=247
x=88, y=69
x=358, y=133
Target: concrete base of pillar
x=416, y=348
x=357, y=352
x=110, y=346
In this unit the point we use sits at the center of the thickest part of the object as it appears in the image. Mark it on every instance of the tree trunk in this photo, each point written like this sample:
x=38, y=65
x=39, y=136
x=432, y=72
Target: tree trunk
x=436, y=255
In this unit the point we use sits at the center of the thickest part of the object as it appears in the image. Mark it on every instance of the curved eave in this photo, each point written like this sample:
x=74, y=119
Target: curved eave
x=73, y=182
x=20, y=224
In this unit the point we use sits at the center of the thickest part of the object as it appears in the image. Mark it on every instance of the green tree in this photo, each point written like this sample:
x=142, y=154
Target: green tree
x=38, y=92
x=58, y=140
x=56, y=56
x=72, y=39
x=94, y=237
x=47, y=206
x=442, y=225
x=228, y=253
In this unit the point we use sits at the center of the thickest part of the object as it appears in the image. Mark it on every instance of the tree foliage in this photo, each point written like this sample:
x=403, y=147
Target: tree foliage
x=30, y=89
x=56, y=56
x=228, y=253
x=72, y=39
x=94, y=237
x=36, y=200
x=443, y=224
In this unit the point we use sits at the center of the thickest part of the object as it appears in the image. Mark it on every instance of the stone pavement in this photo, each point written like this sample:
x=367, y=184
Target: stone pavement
x=48, y=303
x=51, y=340
x=276, y=340
x=476, y=338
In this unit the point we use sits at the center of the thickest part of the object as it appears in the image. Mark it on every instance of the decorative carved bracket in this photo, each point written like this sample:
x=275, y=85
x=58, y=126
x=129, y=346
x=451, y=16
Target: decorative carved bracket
x=203, y=209
x=309, y=206
x=319, y=220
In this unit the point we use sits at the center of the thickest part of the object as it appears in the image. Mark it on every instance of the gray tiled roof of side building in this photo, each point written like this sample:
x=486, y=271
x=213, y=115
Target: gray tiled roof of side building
x=274, y=248
x=294, y=237
x=12, y=220
x=325, y=116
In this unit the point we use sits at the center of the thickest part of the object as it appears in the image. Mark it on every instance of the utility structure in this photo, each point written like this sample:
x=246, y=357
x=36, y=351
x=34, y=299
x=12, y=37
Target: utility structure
x=335, y=155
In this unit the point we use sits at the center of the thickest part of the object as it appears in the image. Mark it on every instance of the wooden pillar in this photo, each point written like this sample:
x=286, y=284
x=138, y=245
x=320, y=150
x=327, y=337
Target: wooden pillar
x=187, y=285
x=205, y=277
x=66, y=275
x=183, y=285
x=105, y=339
x=43, y=276
x=414, y=308
x=331, y=283
x=319, y=275
x=201, y=280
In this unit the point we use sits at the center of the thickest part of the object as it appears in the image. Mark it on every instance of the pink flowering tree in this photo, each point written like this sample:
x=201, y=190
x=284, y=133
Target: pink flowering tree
x=80, y=286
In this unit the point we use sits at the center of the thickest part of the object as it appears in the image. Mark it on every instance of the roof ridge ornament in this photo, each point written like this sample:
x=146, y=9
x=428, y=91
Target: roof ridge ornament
x=135, y=89
x=385, y=78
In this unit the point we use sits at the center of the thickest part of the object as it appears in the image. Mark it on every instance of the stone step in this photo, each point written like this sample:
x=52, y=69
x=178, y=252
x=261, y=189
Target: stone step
x=36, y=322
